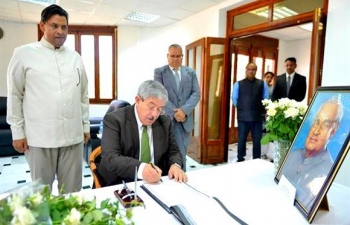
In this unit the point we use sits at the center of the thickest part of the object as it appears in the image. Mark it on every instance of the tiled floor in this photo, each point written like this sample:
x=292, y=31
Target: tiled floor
x=14, y=171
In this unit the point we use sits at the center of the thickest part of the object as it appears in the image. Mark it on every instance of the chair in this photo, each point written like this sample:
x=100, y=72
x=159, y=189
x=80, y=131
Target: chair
x=117, y=104
x=94, y=160
x=95, y=156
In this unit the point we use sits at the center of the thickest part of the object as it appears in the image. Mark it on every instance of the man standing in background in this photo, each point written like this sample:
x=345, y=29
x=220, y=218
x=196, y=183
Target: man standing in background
x=48, y=104
x=183, y=90
x=247, y=95
x=290, y=84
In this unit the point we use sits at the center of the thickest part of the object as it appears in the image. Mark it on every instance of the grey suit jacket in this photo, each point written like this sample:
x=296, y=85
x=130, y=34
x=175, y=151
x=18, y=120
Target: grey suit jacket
x=297, y=89
x=120, y=146
x=186, y=98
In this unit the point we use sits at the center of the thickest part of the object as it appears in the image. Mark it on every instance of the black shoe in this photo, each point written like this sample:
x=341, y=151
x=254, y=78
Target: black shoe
x=240, y=160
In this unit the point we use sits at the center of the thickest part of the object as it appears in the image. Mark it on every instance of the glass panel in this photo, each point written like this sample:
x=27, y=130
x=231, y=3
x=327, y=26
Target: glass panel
x=259, y=63
x=191, y=59
x=242, y=61
x=105, y=50
x=70, y=41
x=198, y=67
x=215, y=90
x=269, y=65
x=88, y=56
x=250, y=18
x=232, y=76
x=290, y=8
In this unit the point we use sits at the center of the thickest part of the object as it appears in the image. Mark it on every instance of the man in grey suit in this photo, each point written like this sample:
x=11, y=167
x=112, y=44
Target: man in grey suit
x=183, y=91
x=123, y=145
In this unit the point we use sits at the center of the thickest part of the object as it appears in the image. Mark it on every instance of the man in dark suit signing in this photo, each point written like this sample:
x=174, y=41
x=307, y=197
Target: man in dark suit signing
x=183, y=90
x=140, y=136
x=290, y=84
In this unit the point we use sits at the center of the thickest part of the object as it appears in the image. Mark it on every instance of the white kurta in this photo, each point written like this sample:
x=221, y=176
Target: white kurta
x=48, y=100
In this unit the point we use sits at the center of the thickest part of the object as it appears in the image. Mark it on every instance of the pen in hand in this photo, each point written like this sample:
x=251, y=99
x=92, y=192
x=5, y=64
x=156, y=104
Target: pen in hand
x=154, y=167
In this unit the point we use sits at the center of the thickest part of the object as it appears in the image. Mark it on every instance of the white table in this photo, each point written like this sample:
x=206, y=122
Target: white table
x=248, y=190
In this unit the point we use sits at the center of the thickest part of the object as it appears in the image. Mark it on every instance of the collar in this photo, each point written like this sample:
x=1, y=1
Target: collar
x=291, y=75
x=172, y=69
x=47, y=44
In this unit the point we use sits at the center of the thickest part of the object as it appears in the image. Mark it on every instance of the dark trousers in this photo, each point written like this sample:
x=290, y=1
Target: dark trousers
x=256, y=131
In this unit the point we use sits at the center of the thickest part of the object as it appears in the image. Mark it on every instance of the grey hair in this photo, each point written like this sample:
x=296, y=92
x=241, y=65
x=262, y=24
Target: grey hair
x=175, y=46
x=336, y=101
x=152, y=89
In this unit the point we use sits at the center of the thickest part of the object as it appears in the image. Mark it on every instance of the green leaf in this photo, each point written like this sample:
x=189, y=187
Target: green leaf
x=88, y=218
x=97, y=215
x=265, y=140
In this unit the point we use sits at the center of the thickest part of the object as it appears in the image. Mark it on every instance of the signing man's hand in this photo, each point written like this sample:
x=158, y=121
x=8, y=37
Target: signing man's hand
x=151, y=173
x=176, y=173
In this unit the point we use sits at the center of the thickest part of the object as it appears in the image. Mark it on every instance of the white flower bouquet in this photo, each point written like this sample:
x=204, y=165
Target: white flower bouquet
x=283, y=118
x=34, y=204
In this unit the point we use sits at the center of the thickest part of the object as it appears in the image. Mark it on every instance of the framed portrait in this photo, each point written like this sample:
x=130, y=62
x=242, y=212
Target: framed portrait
x=319, y=148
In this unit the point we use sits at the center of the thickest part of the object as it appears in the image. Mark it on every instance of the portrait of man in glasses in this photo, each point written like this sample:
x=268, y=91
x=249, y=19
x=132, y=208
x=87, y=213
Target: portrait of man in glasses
x=308, y=168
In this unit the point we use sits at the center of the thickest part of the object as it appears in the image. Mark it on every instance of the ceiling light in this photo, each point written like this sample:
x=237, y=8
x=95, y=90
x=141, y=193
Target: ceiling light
x=41, y=2
x=142, y=17
x=279, y=12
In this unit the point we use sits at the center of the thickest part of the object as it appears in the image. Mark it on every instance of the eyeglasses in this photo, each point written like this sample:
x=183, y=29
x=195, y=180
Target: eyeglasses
x=152, y=107
x=251, y=70
x=324, y=126
x=175, y=56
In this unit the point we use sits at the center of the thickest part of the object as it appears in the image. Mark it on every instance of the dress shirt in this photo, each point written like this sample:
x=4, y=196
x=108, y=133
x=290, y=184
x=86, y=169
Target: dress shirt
x=150, y=136
x=48, y=100
x=291, y=77
x=178, y=71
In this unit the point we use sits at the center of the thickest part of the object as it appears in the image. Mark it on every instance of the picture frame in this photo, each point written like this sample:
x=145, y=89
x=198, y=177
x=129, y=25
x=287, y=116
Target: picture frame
x=318, y=149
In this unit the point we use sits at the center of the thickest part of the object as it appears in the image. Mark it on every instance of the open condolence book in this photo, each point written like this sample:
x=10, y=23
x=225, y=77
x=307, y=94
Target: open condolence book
x=189, y=205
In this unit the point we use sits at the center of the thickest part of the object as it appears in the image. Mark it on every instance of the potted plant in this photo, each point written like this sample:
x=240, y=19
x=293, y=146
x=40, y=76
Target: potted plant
x=283, y=118
x=34, y=204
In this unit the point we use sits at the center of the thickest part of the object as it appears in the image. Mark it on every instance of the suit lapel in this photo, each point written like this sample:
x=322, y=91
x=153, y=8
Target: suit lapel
x=156, y=132
x=131, y=119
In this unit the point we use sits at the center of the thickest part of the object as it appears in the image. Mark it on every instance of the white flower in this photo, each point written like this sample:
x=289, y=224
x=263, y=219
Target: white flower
x=73, y=218
x=22, y=216
x=271, y=112
x=36, y=199
x=291, y=112
x=266, y=101
x=79, y=198
x=15, y=202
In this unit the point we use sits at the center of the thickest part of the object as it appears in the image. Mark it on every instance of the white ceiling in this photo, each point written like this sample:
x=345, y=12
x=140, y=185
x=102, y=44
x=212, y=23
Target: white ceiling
x=108, y=12
x=113, y=13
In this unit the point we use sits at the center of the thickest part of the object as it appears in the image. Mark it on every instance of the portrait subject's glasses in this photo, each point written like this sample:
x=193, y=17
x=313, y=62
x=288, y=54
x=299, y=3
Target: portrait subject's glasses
x=323, y=125
x=175, y=56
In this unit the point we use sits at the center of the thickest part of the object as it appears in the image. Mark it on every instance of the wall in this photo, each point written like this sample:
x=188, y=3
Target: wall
x=15, y=34
x=336, y=60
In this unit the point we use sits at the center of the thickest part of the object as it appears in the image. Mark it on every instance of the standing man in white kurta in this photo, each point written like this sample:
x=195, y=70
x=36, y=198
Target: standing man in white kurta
x=48, y=104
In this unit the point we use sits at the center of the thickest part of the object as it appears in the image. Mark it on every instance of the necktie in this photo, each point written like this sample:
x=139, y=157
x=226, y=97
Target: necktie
x=145, y=149
x=177, y=79
x=288, y=84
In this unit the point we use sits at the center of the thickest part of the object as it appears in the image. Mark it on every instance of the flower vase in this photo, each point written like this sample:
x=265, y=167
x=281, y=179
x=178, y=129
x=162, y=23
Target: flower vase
x=280, y=152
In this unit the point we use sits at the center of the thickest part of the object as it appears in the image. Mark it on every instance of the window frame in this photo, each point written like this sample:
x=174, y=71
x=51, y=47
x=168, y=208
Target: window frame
x=96, y=31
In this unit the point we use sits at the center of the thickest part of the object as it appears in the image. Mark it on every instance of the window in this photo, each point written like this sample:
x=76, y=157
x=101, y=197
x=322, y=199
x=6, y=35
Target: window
x=97, y=47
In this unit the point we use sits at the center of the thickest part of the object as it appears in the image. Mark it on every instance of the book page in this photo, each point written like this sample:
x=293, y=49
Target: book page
x=202, y=208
